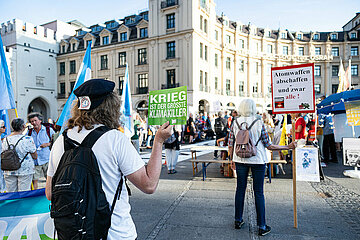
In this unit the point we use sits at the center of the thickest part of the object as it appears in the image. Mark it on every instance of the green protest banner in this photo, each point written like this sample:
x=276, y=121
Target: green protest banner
x=168, y=105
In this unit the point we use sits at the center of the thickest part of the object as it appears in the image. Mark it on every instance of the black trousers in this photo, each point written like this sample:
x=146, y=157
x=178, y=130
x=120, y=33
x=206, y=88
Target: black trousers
x=329, y=148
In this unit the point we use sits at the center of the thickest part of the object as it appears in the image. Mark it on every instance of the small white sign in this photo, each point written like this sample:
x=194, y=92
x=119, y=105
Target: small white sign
x=307, y=164
x=217, y=106
x=293, y=89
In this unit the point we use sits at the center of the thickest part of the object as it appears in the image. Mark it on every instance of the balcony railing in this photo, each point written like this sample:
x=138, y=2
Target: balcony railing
x=142, y=90
x=169, y=3
x=61, y=95
x=166, y=86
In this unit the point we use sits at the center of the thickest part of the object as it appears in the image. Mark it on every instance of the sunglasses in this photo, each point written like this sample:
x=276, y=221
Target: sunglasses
x=3, y=127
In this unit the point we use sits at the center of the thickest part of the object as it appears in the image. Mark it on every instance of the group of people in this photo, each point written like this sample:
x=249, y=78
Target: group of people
x=32, y=145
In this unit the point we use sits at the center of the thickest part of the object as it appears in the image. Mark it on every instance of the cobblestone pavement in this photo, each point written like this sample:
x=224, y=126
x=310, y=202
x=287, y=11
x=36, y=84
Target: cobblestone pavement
x=342, y=200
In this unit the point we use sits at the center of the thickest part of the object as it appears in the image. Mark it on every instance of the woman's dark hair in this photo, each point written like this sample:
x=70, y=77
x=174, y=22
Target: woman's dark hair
x=17, y=124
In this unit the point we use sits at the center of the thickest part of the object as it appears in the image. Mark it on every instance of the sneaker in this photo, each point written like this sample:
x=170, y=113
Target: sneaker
x=239, y=224
x=263, y=232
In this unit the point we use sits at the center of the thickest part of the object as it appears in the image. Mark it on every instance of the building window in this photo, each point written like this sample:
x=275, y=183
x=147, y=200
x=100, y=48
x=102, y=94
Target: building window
x=170, y=78
x=285, y=50
x=318, y=51
x=353, y=35
x=354, y=51
x=317, y=88
x=317, y=70
x=228, y=87
x=269, y=66
x=299, y=36
x=143, y=32
x=201, y=50
x=103, y=62
x=216, y=35
x=62, y=88
x=201, y=80
x=123, y=36
x=63, y=49
x=228, y=63
x=256, y=87
x=62, y=68
x=354, y=70
x=333, y=36
x=216, y=83
x=39, y=81
x=270, y=48
x=228, y=39
x=201, y=22
x=206, y=81
x=122, y=59
x=88, y=42
x=241, y=66
x=301, y=51
x=241, y=87
x=216, y=60
x=205, y=53
x=242, y=43
x=334, y=70
x=121, y=84
x=73, y=46
x=170, y=21
x=257, y=68
x=105, y=40
x=334, y=88
x=316, y=37
x=170, y=50
x=335, y=51
x=205, y=25
x=143, y=83
x=142, y=58
x=72, y=66
x=283, y=35
x=72, y=84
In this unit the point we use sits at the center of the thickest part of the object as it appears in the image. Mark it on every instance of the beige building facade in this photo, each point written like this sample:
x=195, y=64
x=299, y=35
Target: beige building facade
x=184, y=43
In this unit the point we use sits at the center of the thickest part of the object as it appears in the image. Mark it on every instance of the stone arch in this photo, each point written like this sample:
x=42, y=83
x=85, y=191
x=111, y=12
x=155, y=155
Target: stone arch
x=40, y=105
x=204, y=106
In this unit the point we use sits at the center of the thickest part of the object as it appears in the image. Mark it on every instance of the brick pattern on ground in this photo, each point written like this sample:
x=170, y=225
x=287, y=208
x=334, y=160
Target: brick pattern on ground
x=342, y=200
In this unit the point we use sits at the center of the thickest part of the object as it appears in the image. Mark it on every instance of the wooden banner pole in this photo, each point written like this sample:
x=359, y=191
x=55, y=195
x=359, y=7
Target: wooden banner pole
x=293, y=120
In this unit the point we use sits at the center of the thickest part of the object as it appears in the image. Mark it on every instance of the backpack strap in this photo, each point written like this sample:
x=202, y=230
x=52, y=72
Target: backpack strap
x=48, y=131
x=252, y=124
x=93, y=136
x=68, y=142
x=30, y=131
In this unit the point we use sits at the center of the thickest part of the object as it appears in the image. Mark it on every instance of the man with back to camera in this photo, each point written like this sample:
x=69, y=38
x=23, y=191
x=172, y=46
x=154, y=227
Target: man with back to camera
x=42, y=139
x=114, y=152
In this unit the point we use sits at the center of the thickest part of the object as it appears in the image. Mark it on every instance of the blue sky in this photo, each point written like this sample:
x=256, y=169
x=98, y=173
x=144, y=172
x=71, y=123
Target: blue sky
x=303, y=15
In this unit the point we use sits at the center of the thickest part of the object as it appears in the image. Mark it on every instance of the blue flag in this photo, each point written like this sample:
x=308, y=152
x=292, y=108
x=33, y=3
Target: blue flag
x=6, y=90
x=83, y=75
x=126, y=108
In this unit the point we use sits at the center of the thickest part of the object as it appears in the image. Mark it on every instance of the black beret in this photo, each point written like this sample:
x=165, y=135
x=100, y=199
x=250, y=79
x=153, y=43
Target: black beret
x=93, y=92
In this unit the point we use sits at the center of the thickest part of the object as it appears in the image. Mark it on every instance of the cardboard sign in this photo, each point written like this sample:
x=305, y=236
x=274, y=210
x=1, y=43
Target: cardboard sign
x=351, y=152
x=293, y=89
x=307, y=164
x=168, y=105
x=353, y=113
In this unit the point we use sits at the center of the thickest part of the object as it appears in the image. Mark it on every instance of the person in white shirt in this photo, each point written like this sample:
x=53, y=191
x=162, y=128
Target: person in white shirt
x=113, y=150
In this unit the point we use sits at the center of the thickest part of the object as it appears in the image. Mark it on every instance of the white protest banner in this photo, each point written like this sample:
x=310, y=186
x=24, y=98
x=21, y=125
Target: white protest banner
x=307, y=164
x=217, y=106
x=293, y=89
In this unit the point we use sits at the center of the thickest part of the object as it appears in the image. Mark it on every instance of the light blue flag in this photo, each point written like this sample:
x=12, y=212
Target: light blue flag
x=5, y=117
x=83, y=75
x=6, y=90
x=126, y=106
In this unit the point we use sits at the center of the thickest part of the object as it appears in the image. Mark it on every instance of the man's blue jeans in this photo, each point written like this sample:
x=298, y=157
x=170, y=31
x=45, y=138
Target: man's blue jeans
x=258, y=174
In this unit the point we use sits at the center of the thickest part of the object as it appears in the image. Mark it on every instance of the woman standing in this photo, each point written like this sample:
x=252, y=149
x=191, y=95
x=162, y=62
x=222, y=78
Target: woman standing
x=2, y=181
x=256, y=163
x=20, y=180
x=172, y=150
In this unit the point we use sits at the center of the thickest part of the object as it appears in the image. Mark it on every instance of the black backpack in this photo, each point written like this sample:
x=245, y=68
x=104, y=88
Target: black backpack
x=219, y=126
x=78, y=203
x=10, y=160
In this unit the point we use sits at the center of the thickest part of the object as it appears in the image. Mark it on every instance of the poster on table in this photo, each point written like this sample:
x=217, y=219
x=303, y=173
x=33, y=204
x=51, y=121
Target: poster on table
x=168, y=105
x=293, y=89
x=307, y=164
x=351, y=152
x=353, y=113
x=25, y=215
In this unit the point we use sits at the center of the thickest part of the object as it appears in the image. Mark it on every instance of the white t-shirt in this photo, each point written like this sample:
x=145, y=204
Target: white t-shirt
x=114, y=153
